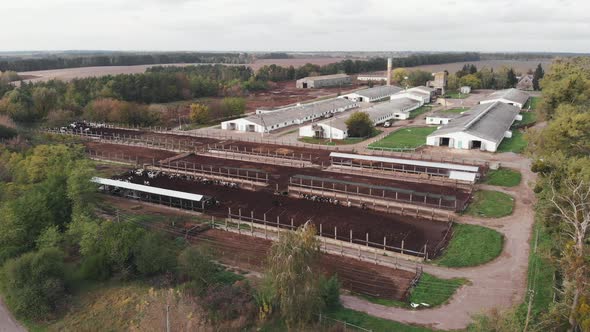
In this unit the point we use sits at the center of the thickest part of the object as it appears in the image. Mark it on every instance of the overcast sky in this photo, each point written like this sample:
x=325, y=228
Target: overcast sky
x=296, y=25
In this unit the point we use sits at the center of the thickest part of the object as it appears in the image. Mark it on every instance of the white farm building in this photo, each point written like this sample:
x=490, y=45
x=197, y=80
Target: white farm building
x=267, y=121
x=377, y=93
x=509, y=96
x=336, y=127
x=421, y=93
x=324, y=81
x=441, y=117
x=483, y=128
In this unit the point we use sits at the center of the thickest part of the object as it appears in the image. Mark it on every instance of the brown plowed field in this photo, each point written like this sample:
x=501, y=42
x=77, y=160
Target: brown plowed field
x=355, y=276
x=414, y=232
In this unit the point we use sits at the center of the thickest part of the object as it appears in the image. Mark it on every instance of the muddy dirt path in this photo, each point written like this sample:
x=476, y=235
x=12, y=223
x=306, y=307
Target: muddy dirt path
x=498, y=284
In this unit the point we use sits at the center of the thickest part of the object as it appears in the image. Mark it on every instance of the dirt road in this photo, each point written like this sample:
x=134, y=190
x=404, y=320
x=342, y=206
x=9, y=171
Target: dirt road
x=498, y=284
x=7, y=321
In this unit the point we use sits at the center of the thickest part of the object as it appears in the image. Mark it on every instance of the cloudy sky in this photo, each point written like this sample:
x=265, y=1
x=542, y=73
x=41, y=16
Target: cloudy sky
x=296, y=25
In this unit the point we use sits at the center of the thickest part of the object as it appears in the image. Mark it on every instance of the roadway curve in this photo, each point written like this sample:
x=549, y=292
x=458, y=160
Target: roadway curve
x=500, y=283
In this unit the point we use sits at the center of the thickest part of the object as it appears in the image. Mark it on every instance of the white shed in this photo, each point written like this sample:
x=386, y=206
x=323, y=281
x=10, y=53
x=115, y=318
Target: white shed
x=509, y=96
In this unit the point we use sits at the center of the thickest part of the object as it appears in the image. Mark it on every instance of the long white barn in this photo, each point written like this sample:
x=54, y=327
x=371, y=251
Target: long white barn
x=483, y=128
x=267, y=121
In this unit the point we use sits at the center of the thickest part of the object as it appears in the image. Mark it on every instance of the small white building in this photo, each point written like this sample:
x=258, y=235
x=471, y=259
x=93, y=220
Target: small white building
x=442, y=117
x=465, y=90
x=324, y=81
x=509, y=96
x=421, y=93
x=269, y=120
x=396, y=109
x=334, y=127
x=374, y=94
x=482, y=128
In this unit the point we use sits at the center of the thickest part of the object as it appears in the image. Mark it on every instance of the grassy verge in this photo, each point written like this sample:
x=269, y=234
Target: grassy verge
x=528, y=119
x=515, y=144
x=471, y=245
x=430, y=289
x=503, y=177
x=490, y=204
x=349, y=140
x=404, y=138
x=533, y=103
x=419, y=111
x=372, y=323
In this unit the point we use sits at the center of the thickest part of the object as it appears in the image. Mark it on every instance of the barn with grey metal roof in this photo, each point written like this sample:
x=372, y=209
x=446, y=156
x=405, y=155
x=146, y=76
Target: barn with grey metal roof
x=509, y=96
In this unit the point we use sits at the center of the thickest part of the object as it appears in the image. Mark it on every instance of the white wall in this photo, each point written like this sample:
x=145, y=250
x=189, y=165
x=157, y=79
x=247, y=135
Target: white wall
x=461, y=140
x=308, y=131
x=437, y=120
x=241, y=125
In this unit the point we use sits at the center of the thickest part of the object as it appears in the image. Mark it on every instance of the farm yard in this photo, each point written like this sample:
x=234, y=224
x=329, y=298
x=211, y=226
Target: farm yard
x=407, y=138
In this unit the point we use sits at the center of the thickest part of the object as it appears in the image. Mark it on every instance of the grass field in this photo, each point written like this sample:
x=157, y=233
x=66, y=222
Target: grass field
x=431, y=290
x=533, y=102
x=528, y=119
x=372, y=323
x=419, y=111
x=503, y=177
x=515, y=144
x=408, y=138
x=471, y=245
x=490, y=204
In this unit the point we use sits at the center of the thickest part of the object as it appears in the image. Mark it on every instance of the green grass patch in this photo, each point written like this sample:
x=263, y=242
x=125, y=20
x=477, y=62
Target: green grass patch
x=419, y=111
x=346, y=141
x=503, y=177
x=471, y=245
x=406, y=138
x=533, y=103
x=372, y=323
x=455, y=95
x=515, y=144
x=490, y=204
x=430, y=289
x=528, y=119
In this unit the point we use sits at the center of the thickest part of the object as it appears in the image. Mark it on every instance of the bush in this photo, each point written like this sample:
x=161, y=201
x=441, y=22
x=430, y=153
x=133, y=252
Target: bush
x=199, y=113
x=227, y=302
x=359, y=125
x=7, y=132
x=330, y=291
x=152, y=255
x=197, y=266
x=33, y=283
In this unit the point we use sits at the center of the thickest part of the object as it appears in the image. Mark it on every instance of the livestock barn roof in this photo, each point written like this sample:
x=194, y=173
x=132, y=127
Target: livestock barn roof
x=379, y=91
x=394, y=106
x=148, y=189
x=323, y=77
x=299, y=112
x=514, y=95
x=487, y=121
x=422, y=89
x=445, y=115
x=449, y=166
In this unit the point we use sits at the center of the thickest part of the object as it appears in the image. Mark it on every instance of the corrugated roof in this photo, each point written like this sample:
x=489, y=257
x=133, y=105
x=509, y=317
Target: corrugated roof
x=379, y=91
x=323, y=77
x=445, y=115
x=422, y=89
x=514, y=95
x=487, y=121
x=298, y=112
x=398, y=161
x=148, y=189
x=389, y=108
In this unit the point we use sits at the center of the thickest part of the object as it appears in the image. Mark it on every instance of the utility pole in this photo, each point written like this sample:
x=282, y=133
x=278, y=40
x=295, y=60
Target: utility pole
x=167, y=318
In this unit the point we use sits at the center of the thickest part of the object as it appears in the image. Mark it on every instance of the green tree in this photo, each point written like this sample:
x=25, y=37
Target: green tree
x=33, y=284
x=398, y=75
x=234, y=106
x=453, y=82
x=153, y=255
x=293, y=275
x=537, y=76
x=471, y=80
x=197, y=265
x=511, y=79
x=359, y=125
x=419, y=77
x=199, y=113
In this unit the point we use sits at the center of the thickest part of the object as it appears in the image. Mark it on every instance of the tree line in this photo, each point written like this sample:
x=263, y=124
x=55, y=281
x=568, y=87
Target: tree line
x=277, y=73
x=20, y=64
